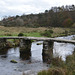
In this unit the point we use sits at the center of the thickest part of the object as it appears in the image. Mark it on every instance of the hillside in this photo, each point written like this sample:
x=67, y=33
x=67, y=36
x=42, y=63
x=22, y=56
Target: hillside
x=63, y=16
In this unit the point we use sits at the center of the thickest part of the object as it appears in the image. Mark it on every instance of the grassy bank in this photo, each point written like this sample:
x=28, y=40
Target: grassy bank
x=34, y=32
x=59, y=67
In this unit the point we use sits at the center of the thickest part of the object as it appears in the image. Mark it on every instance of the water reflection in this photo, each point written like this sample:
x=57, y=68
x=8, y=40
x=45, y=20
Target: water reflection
x=34, y=64
x=25, y=55
x=13, y=52
x=63, y=49
x=60, y=49
x=3, y=51
x=36, y=51
x=34, y=55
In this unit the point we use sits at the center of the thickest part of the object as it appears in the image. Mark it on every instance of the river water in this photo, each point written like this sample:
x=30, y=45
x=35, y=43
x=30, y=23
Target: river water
x=63, y=49
x=35, y=63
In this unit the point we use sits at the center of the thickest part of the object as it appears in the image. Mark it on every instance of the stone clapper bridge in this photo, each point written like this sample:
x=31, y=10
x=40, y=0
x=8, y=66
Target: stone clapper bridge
x=25, y=45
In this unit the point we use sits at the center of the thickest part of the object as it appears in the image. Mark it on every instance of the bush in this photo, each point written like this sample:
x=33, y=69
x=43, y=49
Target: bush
x=53, y=71
x=51, y=31
x=20, y=34
x=44, y=72
x=57, y=62
x=70, y=63
x=47, y=33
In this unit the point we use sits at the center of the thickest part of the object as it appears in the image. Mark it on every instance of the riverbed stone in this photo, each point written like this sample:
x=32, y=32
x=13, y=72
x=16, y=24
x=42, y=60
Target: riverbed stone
x=39, y=43
x=13, y=61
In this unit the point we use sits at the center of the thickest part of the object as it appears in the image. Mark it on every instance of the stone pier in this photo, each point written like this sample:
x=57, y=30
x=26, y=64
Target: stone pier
x=25, y=49
x=47, y=53
x=2, y=43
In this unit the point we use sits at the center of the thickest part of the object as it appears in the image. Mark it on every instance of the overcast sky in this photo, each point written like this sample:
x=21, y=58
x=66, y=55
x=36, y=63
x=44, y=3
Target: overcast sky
x=19, y=7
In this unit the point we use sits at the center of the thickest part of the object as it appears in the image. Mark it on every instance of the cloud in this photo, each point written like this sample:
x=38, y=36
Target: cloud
x=18, y=7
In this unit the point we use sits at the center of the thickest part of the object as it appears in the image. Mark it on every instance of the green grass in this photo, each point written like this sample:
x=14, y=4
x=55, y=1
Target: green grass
x=34, y=32
x=31, y=34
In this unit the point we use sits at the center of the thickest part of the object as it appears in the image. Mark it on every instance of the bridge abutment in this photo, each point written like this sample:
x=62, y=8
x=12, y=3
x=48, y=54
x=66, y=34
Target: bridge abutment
x=25, y=49
x=47, y=52
x=2, y=43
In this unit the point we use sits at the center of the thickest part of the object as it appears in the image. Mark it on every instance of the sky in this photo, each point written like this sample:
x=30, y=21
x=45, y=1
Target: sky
x=19, y=7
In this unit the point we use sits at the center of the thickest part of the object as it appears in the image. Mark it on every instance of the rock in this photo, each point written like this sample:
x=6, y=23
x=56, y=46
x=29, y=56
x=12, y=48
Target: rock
x=27, y=72
x=4, y=56
x=10, y=44
x=13, y=61
x=29, y=62
x=39, y=43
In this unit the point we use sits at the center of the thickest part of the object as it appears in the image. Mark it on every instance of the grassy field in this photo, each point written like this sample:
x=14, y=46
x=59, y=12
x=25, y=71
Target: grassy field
x=34, y=32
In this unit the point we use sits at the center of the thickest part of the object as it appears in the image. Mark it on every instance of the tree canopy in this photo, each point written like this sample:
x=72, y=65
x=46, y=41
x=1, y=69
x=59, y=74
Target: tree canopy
x=63, y=16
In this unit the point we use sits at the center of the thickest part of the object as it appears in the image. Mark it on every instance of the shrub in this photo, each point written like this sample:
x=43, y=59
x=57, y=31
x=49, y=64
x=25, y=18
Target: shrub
x=56, y=71
x=70, y=63
x=51, y=31
x=44, y=72
x=47, y=33
x=20, y=34
x=53, y=71
x=57, y=62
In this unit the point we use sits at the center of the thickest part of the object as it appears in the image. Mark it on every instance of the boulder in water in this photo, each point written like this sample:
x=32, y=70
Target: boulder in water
x=39, y=43
x=13, y=61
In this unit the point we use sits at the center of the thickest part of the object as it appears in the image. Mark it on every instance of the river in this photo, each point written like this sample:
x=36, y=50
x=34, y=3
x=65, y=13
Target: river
x=35, y=63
